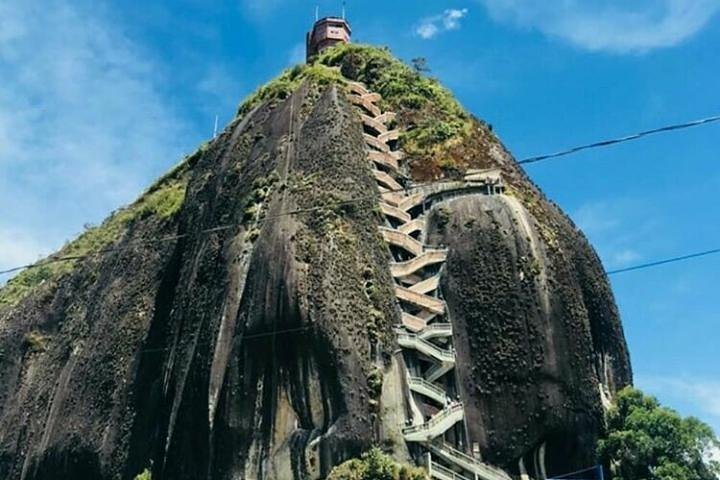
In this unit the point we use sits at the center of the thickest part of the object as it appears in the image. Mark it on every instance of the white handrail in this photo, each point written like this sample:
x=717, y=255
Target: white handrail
x=430, y=386
x=435, y=420
x=445, y=473
x=487, y=472
x=448, y=354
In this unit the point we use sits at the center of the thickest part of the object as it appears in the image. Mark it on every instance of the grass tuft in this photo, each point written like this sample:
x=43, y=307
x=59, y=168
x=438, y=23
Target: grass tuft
x=162, y=201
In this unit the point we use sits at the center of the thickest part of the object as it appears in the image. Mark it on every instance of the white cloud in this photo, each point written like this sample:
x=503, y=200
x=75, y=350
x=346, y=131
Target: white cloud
x=595, y=218
x=617, y=228
x=297, y=54
x=449, y=20
x=609, y=25
x=83, y=124
x=703, y=394
x=624, y=257
x=18, y=248
x=260, y=8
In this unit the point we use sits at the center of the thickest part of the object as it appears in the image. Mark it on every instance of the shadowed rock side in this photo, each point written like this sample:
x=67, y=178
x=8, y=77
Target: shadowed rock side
x=265, y=348
x=536, y=332
x=240, y=353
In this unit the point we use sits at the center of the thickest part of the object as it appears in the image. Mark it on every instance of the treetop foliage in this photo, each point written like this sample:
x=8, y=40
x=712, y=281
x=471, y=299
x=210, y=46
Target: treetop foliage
x=647, y=441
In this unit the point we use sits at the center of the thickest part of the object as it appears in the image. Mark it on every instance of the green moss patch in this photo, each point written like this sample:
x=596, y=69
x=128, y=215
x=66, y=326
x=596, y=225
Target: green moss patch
x=289, y=81
x=439, y=136
x=432, y=120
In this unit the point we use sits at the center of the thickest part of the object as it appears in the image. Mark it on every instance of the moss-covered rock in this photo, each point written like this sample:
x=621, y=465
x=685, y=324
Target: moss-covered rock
x=237, y=320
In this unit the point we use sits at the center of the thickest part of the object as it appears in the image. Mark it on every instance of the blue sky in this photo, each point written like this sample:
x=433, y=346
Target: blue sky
x=98, y=98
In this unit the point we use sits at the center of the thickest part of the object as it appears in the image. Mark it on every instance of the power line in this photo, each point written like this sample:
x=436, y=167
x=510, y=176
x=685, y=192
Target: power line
x=664, y=262
x=539, y=158
x=133, y=244
x=607, y=143
x=244, y=338
x=220, y=228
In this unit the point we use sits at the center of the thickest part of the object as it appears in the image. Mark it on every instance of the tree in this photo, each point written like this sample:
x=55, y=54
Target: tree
x=375, y=465
x=646, y=441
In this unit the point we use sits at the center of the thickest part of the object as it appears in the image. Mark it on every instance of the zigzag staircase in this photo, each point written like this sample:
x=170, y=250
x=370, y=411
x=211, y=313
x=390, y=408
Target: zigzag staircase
x=426, y=332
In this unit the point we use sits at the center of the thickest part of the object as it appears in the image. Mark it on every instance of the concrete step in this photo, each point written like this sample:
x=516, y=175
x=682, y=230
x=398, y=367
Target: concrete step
x=437, y=371
x=372, y=123
x=425, y=302
x=412, y=226
x=439, y=472
x=466, y=462
x=413, y=323
x=413, y=341
x=390, y=211
x=423, y=387
x=402, y=240
x=404, y=201
x=426, y=286
x=427, y=258
x=386, y=159
x=358, y=88
x=389, y=136
x=436, y=330
x=386, y=180
x=386, y=117
x=436, y=426
x=376, y=143
x=365, y=102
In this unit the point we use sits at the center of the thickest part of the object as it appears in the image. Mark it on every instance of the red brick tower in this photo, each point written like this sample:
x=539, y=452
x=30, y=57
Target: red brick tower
x=327, y=32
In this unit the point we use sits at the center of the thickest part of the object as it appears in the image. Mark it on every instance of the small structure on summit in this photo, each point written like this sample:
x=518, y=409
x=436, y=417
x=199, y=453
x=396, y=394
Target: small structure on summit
x=325, y=33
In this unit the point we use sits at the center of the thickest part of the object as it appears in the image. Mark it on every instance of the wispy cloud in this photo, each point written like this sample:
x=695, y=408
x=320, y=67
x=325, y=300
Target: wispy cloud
x=701, y=393
x=430, y=27
x=616, y=228
x=297, y=54
x=259, y=9
x=18, y=248
x=83, y=124
x=609, y=25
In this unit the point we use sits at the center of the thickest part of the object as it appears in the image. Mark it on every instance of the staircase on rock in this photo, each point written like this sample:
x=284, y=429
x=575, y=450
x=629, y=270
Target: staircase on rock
x=436, y=421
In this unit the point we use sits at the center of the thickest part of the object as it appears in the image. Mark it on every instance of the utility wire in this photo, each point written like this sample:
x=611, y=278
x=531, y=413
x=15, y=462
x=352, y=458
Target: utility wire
x=664, y=262
x=132, y=245
x=220, y=228
x=606, y=143
x=244, y=337
x=539, y=158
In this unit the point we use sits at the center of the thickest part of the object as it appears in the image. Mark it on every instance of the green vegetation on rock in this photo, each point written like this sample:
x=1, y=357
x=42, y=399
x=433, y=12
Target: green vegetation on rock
x=36, y=342
x=289, y=81
x=435, y=127
x=375, y=465
x=646, y=441
x=145, y=475
x=161, y=201
x=431, y=117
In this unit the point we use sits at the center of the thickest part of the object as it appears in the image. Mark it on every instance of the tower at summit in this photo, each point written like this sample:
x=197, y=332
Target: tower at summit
x=325, y=33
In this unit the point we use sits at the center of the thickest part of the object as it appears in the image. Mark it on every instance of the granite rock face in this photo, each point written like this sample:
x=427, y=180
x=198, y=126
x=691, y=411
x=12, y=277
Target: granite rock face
x=251, y=344
x=238, y=353
x=536, y=332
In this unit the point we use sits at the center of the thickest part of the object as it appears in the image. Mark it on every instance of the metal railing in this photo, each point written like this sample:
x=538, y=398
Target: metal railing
x=485, y=471
x=436, y=327
x=443, y=473
x=435, y=420
x=421, y=382
x=426, y=347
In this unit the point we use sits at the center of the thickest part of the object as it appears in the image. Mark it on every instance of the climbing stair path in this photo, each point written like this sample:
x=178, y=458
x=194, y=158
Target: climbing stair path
x=426, y=331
